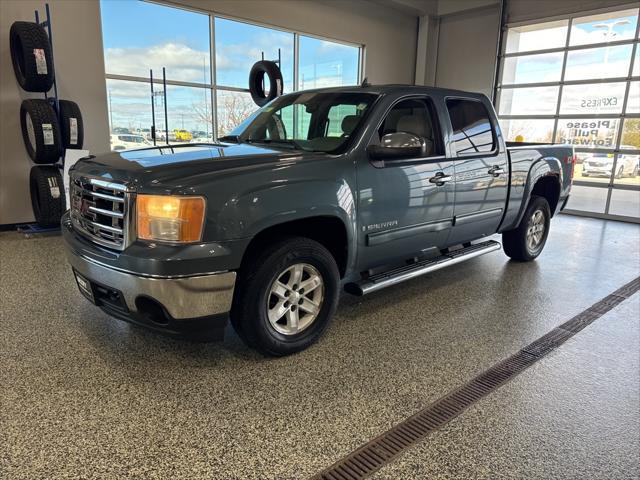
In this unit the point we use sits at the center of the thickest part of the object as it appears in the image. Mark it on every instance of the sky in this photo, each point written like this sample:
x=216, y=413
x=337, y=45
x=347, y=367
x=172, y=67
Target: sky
x=138, y=36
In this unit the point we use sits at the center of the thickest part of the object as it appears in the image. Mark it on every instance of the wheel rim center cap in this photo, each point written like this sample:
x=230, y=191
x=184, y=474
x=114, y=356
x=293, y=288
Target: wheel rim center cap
x=295, y=297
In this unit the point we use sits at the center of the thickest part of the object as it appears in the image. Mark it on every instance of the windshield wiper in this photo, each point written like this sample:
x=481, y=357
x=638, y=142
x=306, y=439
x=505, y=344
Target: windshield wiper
x=291, y=143
x=230, y=138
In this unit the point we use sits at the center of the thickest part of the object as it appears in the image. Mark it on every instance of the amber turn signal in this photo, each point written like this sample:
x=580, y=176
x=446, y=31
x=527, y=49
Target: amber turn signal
x=170, y=218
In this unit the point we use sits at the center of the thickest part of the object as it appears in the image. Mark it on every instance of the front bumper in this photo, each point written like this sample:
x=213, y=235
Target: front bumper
x=183, y=298
x=161, y=302
x=589, y=170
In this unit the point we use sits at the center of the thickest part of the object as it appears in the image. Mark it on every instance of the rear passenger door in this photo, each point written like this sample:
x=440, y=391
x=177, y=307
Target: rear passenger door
x=481, y=170
x=403, y=207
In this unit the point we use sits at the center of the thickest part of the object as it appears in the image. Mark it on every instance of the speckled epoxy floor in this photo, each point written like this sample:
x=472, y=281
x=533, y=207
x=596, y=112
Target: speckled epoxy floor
x=573, y=415
x=85, y=396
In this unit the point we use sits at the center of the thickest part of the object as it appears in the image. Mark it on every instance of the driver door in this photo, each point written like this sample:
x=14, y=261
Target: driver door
x=403, y=209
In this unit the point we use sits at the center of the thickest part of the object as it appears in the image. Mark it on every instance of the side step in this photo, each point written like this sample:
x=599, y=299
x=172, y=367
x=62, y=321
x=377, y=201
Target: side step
x=397, y=275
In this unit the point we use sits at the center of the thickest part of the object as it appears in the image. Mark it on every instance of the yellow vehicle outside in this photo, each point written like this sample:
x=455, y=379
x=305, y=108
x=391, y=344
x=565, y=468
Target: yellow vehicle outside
x=183, y=135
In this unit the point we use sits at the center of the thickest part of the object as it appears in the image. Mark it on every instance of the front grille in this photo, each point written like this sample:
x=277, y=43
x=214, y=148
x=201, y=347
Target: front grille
x=100, y=210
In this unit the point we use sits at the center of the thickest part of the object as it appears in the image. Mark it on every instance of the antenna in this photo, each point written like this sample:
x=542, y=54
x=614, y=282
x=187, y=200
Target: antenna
x=365, y=83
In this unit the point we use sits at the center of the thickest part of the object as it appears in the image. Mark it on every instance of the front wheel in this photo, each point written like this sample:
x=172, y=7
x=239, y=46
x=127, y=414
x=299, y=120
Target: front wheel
x=526, y=242
x=286, y=296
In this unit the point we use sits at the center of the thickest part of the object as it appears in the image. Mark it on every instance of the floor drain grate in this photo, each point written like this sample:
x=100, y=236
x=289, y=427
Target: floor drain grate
x=381, y=450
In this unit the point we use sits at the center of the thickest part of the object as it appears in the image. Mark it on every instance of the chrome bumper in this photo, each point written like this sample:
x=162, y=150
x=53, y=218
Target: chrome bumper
x=183, y=297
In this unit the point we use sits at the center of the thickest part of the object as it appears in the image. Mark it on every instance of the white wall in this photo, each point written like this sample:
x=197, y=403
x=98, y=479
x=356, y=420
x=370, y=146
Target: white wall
x=467, y=45
x=79, y=67
x=389, y=37
x=461, y=45
x=447, y=7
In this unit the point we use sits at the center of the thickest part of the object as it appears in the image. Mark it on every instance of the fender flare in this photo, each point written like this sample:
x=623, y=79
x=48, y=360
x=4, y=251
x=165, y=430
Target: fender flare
x=543, y=167
x=250, y=206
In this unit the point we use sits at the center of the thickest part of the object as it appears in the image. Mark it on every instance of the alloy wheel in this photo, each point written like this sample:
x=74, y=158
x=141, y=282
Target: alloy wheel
x=535, y=231
x=295, y=299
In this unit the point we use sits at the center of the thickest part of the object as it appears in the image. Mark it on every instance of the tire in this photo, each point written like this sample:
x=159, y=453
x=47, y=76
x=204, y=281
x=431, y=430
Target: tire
x=71, y=126
x=635, y=171
x=250, y=311
x=40, y=131
x=256, y=77
x=515, y=242
x=47, y=195
x=31, y=56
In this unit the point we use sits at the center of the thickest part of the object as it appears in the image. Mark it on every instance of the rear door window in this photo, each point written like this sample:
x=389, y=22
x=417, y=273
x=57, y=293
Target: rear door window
x=472, y=130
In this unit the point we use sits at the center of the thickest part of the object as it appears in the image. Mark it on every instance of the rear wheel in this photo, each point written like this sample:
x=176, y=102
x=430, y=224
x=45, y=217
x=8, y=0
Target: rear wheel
x=286, y=296
x=527, y=241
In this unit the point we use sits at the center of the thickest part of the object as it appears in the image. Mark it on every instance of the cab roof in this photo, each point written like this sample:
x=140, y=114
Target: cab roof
x=395, y=89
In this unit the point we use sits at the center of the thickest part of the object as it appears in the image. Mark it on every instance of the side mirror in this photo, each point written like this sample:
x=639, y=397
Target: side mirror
x=398, y=145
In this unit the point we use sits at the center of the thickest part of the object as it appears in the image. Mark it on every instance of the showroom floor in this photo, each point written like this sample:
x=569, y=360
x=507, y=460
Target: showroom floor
x=85, y=396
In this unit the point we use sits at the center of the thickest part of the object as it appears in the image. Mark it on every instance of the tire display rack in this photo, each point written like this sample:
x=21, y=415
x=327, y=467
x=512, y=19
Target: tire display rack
x=49, y=125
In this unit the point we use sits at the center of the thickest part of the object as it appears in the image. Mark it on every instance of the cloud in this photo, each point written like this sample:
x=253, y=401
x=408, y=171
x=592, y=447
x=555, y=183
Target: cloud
x=182, y=62
x=327, y=47
x=241, y=54
x=581, y=36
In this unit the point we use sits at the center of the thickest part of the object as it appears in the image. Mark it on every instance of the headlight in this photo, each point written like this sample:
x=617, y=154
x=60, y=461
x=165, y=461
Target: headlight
x=169, y=218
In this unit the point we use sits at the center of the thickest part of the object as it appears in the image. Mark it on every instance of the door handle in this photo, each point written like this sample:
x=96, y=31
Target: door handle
x=440, y=179
x=496, y=171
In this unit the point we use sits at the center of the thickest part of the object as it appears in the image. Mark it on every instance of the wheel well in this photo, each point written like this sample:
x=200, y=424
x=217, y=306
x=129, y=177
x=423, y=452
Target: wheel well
x=549, y=188
x=328, y=231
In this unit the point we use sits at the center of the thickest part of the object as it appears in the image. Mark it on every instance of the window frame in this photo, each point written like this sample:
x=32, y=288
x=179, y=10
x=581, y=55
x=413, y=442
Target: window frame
x=374, y=138
x=494, y=132
x=213, y=85
x=558, y=117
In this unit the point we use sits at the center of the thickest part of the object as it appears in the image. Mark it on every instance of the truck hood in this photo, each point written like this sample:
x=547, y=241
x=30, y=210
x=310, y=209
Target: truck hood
x=167, y=165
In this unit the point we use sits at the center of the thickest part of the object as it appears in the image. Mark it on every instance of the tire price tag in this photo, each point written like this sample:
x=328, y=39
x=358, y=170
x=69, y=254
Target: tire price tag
x=73, y=131
x=47, y=133
x=41, y=61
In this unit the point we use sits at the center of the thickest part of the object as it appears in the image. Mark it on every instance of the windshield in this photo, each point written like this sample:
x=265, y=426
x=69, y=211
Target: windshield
x=319, y=122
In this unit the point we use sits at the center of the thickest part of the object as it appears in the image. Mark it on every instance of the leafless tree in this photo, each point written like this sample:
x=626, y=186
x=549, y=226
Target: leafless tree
x=233, y=108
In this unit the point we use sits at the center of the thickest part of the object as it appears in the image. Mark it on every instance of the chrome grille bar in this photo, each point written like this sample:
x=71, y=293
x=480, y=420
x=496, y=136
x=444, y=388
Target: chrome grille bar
x=108, y=213
x=107, y=228
x=100, y=210
x=108, y=197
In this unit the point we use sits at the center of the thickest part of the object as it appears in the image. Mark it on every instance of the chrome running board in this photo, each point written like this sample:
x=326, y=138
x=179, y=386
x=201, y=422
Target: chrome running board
x=401, y=274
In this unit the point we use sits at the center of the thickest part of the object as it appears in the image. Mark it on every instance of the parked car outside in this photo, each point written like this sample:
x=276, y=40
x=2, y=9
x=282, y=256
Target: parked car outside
x=601, y=164
x=202, y=140
x=183, y=135
x=128, y=142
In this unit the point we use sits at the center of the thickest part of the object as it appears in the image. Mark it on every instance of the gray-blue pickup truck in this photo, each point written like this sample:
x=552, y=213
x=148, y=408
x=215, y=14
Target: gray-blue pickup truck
x=352, y=188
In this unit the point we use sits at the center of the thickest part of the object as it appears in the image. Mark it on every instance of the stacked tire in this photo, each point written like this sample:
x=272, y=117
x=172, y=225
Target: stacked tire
x=48, y=127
